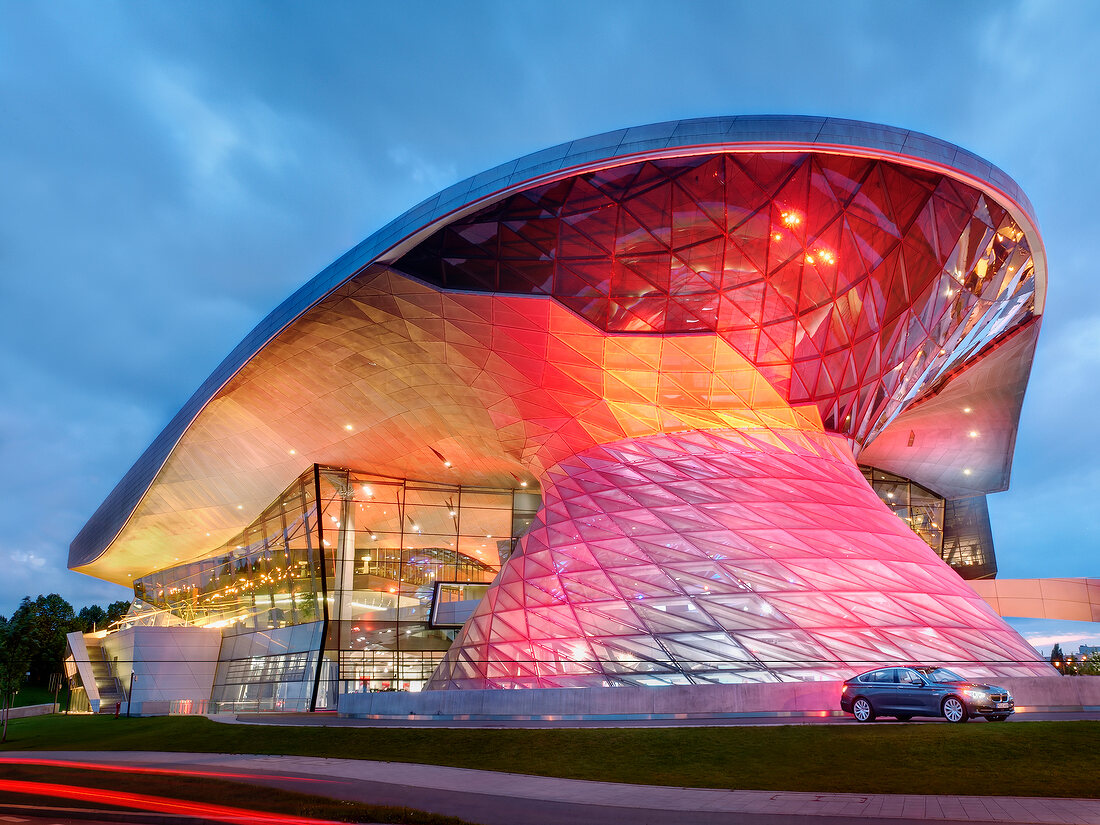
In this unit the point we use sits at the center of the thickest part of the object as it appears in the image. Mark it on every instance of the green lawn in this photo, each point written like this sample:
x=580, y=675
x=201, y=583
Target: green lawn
x=31, y=695
x=1022, y=759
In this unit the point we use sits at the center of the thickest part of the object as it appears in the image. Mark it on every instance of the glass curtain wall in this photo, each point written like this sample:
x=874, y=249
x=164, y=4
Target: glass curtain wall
x=266, y=577
x=917, y=506
x=264, y=588
x=957, y=529
x=968, y=540
x=397, y=539
x=331, y=589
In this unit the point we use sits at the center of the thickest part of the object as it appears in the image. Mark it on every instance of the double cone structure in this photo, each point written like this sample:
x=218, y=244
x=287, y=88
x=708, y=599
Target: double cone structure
x=689, y=337
x=719, y=556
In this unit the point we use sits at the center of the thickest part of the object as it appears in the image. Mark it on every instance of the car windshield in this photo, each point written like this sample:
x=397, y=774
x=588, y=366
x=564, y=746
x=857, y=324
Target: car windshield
x=942, y=674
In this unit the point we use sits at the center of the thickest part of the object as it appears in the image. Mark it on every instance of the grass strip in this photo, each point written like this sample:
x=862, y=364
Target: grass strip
x=33, y=695
x=1058, y=759
x=265, y=798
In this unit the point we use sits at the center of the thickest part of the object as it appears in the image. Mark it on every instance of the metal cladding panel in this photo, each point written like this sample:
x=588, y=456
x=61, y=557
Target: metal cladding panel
x=1075, y=600
x=391, y=374
x=697, y=137
x=958, y=440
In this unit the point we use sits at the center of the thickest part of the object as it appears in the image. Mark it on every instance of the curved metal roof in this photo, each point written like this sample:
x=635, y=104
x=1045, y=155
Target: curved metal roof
x=671, y=139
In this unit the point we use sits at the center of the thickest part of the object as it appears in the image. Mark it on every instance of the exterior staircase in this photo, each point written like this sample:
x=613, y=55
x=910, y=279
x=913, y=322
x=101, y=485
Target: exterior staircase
x=110, y=688
x=86, y=661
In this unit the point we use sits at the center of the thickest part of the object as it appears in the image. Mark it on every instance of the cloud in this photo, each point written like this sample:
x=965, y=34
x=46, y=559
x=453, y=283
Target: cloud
x=223, y=141
x=1049, y=639
x=22, y=559
x=421, y=171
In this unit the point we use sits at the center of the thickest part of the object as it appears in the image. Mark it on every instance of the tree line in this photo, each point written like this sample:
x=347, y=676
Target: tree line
x=33, y=639
x=1075, y=664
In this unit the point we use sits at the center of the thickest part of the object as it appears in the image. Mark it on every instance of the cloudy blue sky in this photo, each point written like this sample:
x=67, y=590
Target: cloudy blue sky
x=169, y=172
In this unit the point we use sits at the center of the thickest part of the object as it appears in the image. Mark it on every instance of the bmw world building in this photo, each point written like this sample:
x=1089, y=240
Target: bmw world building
x=707, y=401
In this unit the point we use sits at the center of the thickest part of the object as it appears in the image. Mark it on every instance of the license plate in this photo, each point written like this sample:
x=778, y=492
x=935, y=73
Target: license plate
x=1002, y=704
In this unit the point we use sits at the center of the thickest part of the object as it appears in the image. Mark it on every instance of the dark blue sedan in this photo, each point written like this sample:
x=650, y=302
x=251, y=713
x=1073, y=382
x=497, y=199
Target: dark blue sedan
x=920, y=690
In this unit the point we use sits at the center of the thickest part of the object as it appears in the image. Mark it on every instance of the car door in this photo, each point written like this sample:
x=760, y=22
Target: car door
x=881, y=690
x=914, y=696
x=891, y=691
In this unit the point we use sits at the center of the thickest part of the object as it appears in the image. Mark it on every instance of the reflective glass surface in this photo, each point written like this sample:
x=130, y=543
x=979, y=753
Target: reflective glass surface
x=917, y=506
x=394, y=540
x=313, y=601
x=720, y=556
x=968, y=538
x=957, y=529
x=853, y=284
x=267, y=576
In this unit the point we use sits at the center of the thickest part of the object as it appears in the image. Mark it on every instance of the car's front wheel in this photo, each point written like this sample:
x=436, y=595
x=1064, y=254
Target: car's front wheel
x=862, y=710
x=954, y=710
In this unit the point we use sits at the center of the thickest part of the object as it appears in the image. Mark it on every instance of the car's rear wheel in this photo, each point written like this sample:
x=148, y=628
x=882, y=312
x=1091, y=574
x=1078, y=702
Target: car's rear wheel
x=905, y=717
x=954, y=710
x=862, y=710
x=997, y=718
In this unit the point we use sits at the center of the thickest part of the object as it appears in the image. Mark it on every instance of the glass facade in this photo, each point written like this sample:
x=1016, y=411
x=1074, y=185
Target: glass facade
x=394, y=540
x=917, y=506
x=267, y=577
x=853, y=284
x=725, y=287
x=266, y=589
x=331, y=589
x=957, y=529
x=968, y=538
x=721, y=556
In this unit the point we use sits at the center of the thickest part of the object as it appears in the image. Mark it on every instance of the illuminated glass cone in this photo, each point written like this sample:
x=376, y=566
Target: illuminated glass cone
x=721, y=556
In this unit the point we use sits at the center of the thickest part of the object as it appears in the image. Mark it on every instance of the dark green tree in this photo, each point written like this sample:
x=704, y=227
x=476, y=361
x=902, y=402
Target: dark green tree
x=14, y=660
x=40, y=627
x=91, y=618
x=1057, y=658
x=116, y=610
x=1090, y=666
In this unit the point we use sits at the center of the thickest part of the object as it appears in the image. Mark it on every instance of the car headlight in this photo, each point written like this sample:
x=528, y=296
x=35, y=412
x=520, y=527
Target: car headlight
x=977, y=695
